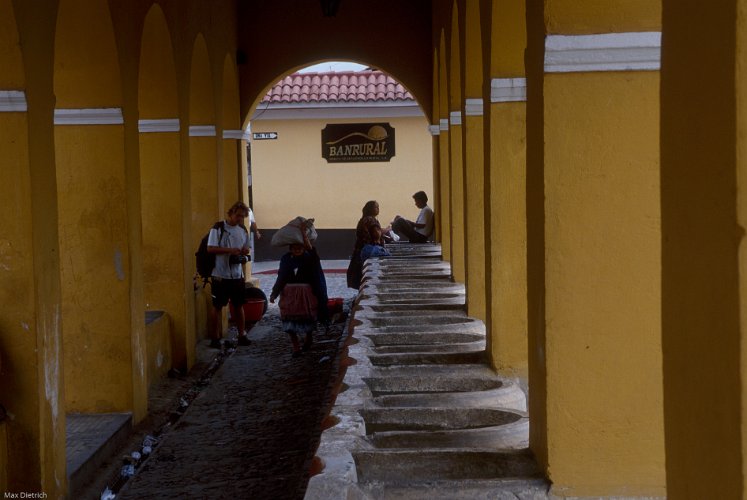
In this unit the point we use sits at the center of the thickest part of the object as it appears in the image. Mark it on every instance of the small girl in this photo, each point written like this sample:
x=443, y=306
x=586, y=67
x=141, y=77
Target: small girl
x=303, y=292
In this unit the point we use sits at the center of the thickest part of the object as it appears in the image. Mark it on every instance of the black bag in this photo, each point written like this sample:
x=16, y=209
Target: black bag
x=205, y=260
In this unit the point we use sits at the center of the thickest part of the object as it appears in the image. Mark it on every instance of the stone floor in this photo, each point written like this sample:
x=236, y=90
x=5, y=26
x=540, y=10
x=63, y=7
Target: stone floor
x=250, y=431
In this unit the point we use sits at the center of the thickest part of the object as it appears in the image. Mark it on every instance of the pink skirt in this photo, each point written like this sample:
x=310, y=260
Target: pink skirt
x=297, y=303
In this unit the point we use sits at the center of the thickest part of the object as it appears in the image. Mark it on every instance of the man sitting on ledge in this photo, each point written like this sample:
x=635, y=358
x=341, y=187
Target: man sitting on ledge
x=420, y=230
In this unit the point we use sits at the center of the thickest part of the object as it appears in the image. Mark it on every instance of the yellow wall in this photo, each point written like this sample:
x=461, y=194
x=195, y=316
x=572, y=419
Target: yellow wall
x=508, y=319
x=504, y=44
x=594, y=288
x=576, y=17
x=603, y=290
x=291, y=178
x=93, y=241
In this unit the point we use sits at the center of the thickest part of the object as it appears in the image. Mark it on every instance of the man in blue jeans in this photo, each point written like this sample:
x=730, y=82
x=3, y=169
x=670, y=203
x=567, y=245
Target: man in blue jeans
x=420, y=230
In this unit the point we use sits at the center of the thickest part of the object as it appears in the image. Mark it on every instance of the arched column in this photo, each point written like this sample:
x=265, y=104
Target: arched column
x=444, y=159
x=435, y=131
x=594, y=287
x=202, y=144
x=504, y=23
x=456, y=162
x=104, y=368
x=167, y=273
x=205, y=175
x=473, y=156
x=235, y=180
x=32, y=442
x=233, y=174
x=704, y=284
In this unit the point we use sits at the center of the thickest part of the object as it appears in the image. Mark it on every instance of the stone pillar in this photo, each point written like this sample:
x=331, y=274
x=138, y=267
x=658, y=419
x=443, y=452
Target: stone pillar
x=165, y=269
x=444, y=159
x=505, y=137
x=444, y=164
x=595, y=264
x=474, y=206
x=94, y=250
x=456, y=202
x=31, y=385
x=704, y=280
x=232, y=171
x=204, y=180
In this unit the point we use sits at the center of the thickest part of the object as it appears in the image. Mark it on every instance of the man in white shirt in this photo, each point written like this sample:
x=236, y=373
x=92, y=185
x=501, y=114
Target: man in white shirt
x=420, y=230
x=229, y=241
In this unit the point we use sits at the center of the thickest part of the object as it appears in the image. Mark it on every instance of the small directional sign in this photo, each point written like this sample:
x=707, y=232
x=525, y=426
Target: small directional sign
x=261, y=136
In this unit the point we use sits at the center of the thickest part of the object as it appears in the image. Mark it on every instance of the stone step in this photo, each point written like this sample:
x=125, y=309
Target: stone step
x=513, y=436
x=484, y=489
x=425, y=338
x=435, y=419
x=405, y=467
x=478, y=346
x=507, y=396
x=429, y=358
x=91, y=438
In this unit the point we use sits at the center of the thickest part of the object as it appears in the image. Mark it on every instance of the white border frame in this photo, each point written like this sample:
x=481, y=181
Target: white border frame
x=640, y=51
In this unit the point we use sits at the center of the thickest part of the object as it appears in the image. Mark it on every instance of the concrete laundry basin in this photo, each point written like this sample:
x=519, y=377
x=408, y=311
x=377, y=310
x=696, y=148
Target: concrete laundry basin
x=431, y=419
x=513, y=436
x=429, y=358
x=428, y=348
x=508, y=396
x=424, y=339
x=421, y=321
x=417, y=384
x=424, y=465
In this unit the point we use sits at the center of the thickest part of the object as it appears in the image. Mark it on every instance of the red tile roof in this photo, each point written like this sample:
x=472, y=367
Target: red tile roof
x=343, y=86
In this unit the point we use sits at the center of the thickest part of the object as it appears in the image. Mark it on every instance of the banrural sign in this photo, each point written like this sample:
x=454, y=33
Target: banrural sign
x=357, y=142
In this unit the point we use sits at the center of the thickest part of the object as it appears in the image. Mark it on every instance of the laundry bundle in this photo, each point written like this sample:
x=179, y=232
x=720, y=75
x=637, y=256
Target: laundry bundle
x=290, y=234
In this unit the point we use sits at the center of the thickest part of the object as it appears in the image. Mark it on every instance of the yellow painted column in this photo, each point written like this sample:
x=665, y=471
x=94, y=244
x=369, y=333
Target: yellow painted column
x=204, y=180
x=163, y=259
x=31, y=381
x=232, y=168
x=456, y=180
x=704, y=279
x=444, y=164
x=505, y=41
x=507, y=235
x=596, y=332
x=435, y=132
x=205, y=186
x=94, y=251
x=474, y=207
x=444, y=159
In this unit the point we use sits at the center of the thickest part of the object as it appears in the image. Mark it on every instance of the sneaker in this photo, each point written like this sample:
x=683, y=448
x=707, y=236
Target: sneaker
x=244, y=340
x=215, y=344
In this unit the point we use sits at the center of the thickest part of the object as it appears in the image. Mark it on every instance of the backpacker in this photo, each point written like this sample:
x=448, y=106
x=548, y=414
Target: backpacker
x=205, y=260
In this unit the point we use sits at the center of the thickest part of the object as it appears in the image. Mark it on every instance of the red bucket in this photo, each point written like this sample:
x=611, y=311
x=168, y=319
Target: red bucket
x=253, y=310
x=334, y=304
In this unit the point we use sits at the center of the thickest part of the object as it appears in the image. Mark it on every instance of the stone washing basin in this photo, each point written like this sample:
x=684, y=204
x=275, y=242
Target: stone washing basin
x=429, y=358
x=430, y=348
x=406, y=466
x=421, y=321
x=428, y=384
x=424, y=339
x=435, y=419
x=513, y=436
